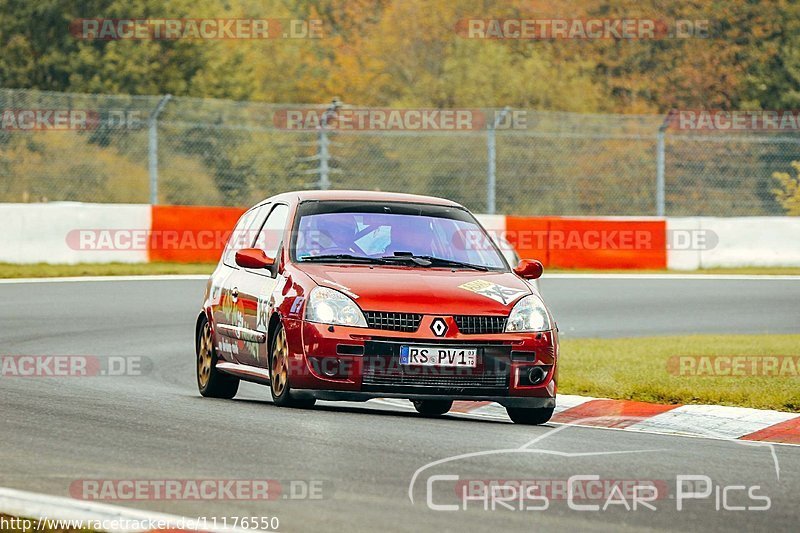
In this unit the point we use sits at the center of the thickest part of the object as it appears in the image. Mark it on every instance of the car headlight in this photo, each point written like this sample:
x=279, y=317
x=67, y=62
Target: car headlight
x=328, y=306
x=529, y=314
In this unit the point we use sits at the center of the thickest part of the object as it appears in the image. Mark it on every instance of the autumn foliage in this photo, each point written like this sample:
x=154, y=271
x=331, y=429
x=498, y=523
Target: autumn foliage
x=409, y=53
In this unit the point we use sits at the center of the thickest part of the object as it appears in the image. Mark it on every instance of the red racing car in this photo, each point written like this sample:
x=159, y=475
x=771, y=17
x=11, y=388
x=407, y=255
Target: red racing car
x=349, y=295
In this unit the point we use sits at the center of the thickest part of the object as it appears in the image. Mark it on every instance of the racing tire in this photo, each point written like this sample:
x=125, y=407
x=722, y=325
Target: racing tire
x=432, y=407
x=211, y=382
x=279, y=374
x=530, y=417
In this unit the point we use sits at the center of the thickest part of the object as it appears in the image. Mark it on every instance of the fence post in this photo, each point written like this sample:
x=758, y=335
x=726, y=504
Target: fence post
x=660, y=183
x=324, y=153
x=491, y=146
x=152, y=148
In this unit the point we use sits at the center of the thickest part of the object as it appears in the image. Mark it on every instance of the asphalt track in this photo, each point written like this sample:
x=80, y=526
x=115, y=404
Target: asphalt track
x=156, y=427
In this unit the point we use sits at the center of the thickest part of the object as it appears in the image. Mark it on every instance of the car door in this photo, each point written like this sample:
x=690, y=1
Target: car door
x=257, y=286
x=227, y=308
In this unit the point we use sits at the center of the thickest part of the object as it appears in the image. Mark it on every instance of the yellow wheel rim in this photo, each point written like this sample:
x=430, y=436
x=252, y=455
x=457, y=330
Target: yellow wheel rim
x=204, y=356
x=280, y=365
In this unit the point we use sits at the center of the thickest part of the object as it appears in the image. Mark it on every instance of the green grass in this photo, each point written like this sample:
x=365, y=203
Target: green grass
x=44, y=270
x=637, y=369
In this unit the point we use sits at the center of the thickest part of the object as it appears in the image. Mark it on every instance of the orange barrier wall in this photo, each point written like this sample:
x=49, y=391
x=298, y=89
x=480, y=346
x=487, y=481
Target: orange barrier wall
x=602, y=243
x=191, y=234
x=529, y=235
x=198, y=234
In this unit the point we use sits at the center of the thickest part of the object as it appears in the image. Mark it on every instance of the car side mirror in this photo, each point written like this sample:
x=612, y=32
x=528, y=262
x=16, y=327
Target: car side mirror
x=253, y=258
x=529, y=269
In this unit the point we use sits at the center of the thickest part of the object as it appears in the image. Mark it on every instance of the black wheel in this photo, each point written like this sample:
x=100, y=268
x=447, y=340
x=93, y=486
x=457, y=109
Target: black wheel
x=279, y=374
x=211, y=382
x=530, y=417
x=432, y=407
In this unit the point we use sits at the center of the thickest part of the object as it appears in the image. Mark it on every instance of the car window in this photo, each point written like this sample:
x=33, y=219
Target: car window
x=381, y=234
x=271, y=234
x=244, y=233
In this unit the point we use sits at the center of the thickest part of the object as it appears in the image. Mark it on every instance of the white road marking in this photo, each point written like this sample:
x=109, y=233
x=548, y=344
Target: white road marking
x=731, y=422
x=568, y=401
x=37, y=506
x=92, y=279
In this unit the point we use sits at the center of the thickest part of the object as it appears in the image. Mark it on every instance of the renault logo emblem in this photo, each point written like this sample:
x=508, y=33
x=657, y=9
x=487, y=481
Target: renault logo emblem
x=439, y=327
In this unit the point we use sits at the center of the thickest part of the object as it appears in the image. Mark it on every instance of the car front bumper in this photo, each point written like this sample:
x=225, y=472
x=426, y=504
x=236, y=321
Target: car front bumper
x=365, y=364
x=530, y=402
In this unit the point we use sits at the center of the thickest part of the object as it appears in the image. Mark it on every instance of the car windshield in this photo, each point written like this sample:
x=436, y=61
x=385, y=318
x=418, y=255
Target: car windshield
x=448, y=239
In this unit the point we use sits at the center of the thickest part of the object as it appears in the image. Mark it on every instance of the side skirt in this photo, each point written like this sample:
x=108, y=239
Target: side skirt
x=245, y=372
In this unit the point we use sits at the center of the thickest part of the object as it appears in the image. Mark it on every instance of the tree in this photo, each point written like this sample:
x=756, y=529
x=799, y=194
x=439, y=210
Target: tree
x=788, y=195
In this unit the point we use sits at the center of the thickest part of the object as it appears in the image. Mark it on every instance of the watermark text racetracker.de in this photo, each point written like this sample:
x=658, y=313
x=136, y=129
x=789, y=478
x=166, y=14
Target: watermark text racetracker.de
x=122, y=490
x=591, y=239
x=734, y=365
x=545, y=29
x=63, y=366
x=399, y=119
x=731, y=121
x=172, y=29
x=139, y=239
x=68, y=119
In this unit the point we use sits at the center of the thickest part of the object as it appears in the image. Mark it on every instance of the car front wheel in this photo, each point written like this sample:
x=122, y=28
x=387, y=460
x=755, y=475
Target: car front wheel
x=279, y=375
x=530, y=417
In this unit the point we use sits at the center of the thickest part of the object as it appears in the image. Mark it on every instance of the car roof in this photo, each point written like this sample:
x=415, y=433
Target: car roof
x=359, y=196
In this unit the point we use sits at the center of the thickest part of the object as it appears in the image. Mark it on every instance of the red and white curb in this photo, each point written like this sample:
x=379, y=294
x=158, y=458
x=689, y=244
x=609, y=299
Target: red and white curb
x=45, y=510
x=712, y=421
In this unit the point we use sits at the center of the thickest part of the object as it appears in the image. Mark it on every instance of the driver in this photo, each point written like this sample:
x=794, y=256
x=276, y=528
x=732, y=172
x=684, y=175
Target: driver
x=339, y=232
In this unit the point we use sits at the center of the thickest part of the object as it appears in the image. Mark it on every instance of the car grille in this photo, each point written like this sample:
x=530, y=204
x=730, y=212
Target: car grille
x=400, y=379
x=382, y=371
x=407, y=322
x=476, y=325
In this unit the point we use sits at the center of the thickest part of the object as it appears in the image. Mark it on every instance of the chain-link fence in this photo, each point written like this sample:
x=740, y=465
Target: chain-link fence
x=140, y=149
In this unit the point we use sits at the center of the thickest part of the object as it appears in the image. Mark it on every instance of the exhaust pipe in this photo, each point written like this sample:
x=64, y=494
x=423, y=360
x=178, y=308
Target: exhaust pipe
x=536, y=375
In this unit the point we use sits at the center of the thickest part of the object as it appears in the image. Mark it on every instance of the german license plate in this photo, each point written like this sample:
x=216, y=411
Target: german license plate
x=438, y=356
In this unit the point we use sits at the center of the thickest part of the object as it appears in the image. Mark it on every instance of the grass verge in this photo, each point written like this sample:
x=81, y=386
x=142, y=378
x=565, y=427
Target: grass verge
x=648, y=370
x=44, y=270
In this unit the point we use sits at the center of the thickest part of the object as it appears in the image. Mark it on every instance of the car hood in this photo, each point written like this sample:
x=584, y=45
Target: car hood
x=422, y=290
